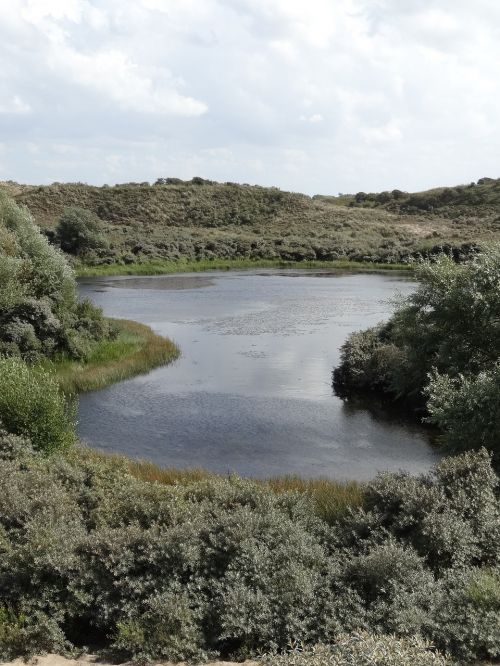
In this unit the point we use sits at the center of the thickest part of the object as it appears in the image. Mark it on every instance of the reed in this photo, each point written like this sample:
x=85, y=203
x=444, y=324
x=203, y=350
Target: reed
x=135, y=350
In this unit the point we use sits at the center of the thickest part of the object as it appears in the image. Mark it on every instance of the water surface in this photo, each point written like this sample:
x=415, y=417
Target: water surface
x=252, y=391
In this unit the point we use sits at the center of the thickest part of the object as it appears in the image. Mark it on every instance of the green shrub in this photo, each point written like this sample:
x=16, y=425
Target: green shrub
x=367, y=362
x=79, y=231
x=167, y=629
x=28, y=635
x=395, y=586
x=39, y=312
x=32, y=406
x=363, y=649
x=228, y=567
x=467, y=409
x=440, y=350
x=450, y=516
x=467, y=620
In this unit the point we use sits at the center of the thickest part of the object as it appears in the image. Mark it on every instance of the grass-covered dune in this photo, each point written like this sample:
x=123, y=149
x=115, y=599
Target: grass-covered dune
x=199, y=220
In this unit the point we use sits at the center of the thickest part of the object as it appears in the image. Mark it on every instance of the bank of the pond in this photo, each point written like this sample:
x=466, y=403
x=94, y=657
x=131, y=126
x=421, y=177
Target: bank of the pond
x=135, y=350
x=331, y=498
x=164, y=267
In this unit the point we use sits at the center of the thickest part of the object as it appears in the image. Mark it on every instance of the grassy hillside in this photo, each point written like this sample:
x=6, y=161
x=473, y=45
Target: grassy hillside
x=202, y=220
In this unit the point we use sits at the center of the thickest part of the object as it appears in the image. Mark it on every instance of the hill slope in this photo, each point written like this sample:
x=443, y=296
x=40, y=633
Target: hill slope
x=205, y=220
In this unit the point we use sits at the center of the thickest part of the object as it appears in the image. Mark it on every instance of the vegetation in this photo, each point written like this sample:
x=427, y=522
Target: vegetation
x=363, y=649
x=39, y=312
x=93, y=555
x=32, y=406
x=330, y=499
x=481, y=199
x=440, y=350
x=146, y=563
x=199, y=221
x=133, y=350
x=162, y=267
x=78, y=231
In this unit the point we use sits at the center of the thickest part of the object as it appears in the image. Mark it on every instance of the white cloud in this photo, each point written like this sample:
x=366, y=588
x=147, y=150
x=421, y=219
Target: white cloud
x=14, y=105
x=402, y=94
x=114, y=76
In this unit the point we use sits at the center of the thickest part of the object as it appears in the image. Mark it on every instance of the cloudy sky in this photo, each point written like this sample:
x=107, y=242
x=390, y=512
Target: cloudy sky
x=309, y=95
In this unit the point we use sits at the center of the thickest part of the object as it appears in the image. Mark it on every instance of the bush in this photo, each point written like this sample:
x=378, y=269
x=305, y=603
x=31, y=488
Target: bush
x=468, y=616
x=32, y=406
x=395, y=586
x=367, y=362
x=467, y=409
x=227, y=567
x=440, y=350
x=79, y=231
x=363, y=649
x=39, y=313
x=28, y=635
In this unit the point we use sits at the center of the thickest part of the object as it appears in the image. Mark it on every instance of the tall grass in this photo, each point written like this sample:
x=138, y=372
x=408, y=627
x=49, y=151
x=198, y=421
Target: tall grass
x=331, y=499
x=163, y=267
x=135, y=350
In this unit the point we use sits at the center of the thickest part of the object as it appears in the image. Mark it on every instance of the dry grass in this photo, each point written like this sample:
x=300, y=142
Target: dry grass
x=136, y=350
x=331, y=499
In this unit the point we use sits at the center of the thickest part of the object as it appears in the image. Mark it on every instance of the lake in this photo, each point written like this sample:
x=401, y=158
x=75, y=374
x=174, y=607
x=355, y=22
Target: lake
x=252, y=391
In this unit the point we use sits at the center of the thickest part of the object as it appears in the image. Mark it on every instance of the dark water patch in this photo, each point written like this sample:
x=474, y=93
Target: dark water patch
x=161, y=283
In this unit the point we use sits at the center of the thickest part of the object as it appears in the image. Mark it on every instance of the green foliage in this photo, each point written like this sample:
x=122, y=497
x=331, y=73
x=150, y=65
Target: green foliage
x=32, y=406
x=226, y=566
x=79, y=231
x=468, y=614
x=439, y=350
x=200, y=220
x=28, y=635
x=368, y=362
x=363, y=649
x=39, y=313
x=467, y=409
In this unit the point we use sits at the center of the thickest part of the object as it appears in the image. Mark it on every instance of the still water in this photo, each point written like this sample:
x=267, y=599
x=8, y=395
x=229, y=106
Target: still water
x=251, y=392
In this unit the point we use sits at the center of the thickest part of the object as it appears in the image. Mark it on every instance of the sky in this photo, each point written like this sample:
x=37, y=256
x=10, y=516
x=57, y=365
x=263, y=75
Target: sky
x=316, y=96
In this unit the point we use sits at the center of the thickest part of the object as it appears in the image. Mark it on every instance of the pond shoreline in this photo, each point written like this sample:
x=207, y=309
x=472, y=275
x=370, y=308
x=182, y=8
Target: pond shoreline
x=167, y=267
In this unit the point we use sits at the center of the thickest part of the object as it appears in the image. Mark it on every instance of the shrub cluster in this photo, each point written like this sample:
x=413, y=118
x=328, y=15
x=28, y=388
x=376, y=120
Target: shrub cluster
x=363, y=649
x=89, y=554
x=79, y=231
x=32, y=406
x=439, y=350
x=39, y=312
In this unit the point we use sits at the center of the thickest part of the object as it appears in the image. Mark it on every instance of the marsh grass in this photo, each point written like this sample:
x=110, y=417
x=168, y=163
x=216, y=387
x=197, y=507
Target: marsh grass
x=135, y=350
x=331, y=498
x=181, y=266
